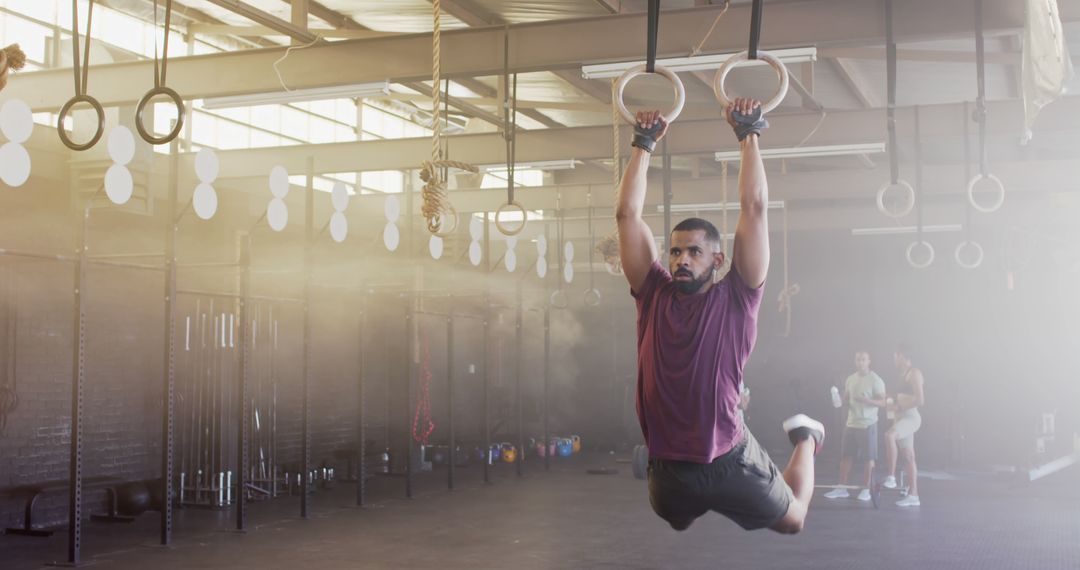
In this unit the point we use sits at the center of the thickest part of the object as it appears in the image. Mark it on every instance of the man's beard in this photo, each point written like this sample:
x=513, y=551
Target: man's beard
x=694, y=285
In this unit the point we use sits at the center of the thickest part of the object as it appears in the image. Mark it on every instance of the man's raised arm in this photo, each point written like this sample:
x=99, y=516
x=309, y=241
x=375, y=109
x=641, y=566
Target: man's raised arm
x=637, y=249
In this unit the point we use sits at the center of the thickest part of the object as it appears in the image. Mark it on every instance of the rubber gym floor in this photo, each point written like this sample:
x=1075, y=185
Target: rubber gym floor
x=566, y=518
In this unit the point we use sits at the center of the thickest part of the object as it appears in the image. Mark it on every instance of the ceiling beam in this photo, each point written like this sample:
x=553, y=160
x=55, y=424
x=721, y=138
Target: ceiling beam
x=550, y=45
x=856, y=83
x=686, y=138
x=611, y=6
x=469, y=14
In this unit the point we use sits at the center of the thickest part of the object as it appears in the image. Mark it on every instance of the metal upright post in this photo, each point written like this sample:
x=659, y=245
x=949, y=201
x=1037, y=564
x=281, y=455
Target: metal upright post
x=409, y=380
x=244, y=415
x=520, y=463
x=169, y=389
x=77, y=376
x=305, y=438
x=361, y=420
x=486, y=443
x=547, y=382
x=452, y=452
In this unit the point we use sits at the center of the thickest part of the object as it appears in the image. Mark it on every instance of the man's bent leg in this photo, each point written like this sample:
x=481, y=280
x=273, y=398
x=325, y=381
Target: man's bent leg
x=808, y=436
x=799, y=476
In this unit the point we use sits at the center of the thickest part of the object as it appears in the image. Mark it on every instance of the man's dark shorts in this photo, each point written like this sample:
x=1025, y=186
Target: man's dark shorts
x=859, y=443
x=744, y=485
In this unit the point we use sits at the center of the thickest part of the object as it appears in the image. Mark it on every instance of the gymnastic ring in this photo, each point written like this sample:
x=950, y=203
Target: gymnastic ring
x=903, y=185
x=680, y=92
x=996, y=204
x=177, y=127
x=978, y=257
x=67, y=109
x=591, y=297
x=911, y=248
x=558, y=299
x=498, y=222
x=733, y=61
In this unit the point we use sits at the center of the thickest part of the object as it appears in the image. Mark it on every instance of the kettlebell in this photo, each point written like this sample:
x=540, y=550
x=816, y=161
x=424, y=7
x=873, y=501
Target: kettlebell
x=494, y=453
x=509, y=452
x=576, y=442
x=541, y=449
x=565, y=447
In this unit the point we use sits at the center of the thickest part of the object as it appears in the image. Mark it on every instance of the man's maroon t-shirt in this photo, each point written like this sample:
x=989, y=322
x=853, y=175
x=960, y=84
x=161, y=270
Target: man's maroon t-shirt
x=691, y=353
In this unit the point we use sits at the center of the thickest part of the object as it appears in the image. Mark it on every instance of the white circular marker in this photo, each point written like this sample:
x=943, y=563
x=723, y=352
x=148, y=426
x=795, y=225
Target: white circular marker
x=476, y=228
x=339, y=197
x=121, y=145
x=541, y=244
x=510, y=260
x=118, y=184
x=476, y=254
x=568, y=252
x=541, y=268
x=16, y=121
x=568, y=273
x=204, y=201
x=339, y=227
x=277, y=214
x=279, y=182
x=435, y=246
x=14, y=164
x=207, y=166
x=391, y=237
x=392, y=208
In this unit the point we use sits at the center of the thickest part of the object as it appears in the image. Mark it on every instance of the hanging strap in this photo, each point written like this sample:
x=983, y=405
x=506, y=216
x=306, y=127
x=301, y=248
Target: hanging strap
x=653, y=32
x=509, y=118
x=81, y=67
x=592, y=239
x=890, y=112
x=918, y=177
x=967, y=174
x=980, y=102
x=161, y=69
x=755, y=29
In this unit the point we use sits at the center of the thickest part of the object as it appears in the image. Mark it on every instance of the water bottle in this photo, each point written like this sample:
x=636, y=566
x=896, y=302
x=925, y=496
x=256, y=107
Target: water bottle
x=835, y=392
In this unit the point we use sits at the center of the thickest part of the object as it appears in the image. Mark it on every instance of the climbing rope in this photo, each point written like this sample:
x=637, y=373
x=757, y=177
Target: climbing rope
x=11, y=58
x=608, y=246
x=436, y=207
x=423, y=403
x=790, y=289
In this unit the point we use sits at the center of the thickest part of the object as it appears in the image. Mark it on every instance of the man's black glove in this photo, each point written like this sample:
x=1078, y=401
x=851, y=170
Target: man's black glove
x=746, y=124
x=645, y=139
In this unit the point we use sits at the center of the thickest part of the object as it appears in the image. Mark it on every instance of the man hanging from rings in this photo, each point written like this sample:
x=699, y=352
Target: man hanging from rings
x=695, y=335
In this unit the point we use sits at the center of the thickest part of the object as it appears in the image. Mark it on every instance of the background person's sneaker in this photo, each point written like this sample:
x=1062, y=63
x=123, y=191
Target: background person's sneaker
x=909, y=501
x=837, y=494
x=864, y=495
x=889, y=483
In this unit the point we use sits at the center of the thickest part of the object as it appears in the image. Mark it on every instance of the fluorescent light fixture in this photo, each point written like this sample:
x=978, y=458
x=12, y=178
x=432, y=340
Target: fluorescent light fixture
x=567, y=164
x=714, y=206
x=297, y=95
x=900, y=230
x=695, y=63
x=808, y=151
